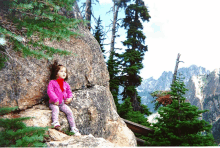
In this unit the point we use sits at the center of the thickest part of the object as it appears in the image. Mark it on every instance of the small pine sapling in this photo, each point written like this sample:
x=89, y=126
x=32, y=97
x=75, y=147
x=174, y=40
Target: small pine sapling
x=15, y=133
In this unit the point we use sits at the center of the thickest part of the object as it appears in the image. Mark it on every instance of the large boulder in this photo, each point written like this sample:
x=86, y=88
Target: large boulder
x=24, y=80
x=24, y=84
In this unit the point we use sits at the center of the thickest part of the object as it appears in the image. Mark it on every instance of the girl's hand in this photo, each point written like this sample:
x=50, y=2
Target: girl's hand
x=56, y=103
x=68, y=100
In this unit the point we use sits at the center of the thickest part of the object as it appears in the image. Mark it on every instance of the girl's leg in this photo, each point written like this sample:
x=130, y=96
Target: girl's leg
x=69, y=114
x=55, y=113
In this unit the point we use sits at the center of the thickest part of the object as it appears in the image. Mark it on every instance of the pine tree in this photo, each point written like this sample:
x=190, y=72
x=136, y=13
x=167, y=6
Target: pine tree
x=178, y=124
x=114, y=70
x=131, y=63
x=15, y=133
x=134, y=54
x=126, y=111
x=99, y=35
x=113, y=63
x=26, y=24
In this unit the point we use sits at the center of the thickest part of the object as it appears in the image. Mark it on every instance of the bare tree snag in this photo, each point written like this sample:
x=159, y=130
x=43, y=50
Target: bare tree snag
x=76, y=11
x=176, y=68
x=115, y=17
x=88, y=13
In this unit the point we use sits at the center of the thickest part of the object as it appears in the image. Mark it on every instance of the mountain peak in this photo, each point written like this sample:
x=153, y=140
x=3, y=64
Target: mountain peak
x=164, y=81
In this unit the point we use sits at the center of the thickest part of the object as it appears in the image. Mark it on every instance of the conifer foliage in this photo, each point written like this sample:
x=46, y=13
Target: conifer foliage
x=25, y=24
x=178, y=124
x=99, y=34
x=15, y=133
x=132, y=58
x=130, y=63
x=114, y=70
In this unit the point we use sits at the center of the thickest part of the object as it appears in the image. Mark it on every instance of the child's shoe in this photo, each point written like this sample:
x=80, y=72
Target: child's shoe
x=56, y=125
x=75, y=131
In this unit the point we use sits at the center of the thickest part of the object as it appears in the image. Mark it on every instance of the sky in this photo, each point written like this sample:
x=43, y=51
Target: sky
x=188, y=27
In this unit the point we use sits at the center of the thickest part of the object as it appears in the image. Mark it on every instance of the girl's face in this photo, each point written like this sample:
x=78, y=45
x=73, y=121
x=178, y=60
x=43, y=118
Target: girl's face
x=62, y=73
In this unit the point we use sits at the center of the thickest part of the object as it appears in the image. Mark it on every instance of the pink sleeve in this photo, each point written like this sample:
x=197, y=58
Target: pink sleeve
x=68, y=91
x=50, y=91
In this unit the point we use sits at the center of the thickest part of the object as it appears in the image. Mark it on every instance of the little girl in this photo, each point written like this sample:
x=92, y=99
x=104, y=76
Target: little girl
x=60, y=94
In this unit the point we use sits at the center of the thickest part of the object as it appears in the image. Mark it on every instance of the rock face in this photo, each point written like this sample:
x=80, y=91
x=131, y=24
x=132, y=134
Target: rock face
x=204, y=92
x=211, y=102
x=216, y=130
x=24, y=84
x=195, y=90
x=79, y=141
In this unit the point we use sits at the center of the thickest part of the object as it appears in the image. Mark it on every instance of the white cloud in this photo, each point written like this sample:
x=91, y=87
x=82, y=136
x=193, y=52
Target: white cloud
x=187, y=27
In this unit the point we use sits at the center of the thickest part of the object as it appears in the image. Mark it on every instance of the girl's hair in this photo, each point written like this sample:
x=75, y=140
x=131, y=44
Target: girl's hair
x=54, y=70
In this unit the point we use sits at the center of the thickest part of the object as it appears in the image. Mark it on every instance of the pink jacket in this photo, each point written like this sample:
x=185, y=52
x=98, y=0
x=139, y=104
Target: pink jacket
x=55, y=93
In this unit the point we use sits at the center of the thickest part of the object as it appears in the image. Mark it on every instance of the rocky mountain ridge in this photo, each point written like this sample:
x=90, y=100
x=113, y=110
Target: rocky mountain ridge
x=204, y=92
x=164, y=81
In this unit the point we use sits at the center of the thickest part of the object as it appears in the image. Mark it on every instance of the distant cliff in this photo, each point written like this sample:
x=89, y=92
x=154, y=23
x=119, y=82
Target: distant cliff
x=204, y=92
x=164, y=81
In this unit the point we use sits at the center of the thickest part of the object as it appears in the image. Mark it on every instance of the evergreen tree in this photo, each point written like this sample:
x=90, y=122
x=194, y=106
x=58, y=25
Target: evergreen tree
x=14, y=133
x=25, y=25
x=99, y=35
x=130, y=64
x=126, y=112
x=134, y=54
x=114, y=70
x=178, y=124
x=113, y=63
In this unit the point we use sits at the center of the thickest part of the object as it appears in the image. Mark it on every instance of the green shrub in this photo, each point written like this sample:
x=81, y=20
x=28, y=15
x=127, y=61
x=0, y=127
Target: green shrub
x=15, y=133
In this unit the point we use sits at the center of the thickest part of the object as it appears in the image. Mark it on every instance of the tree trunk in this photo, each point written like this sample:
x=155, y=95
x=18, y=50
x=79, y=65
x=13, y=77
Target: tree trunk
x=115, y=17
x=176, y=68
x=76, y=11
x=135, y=104
x=88, y=13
